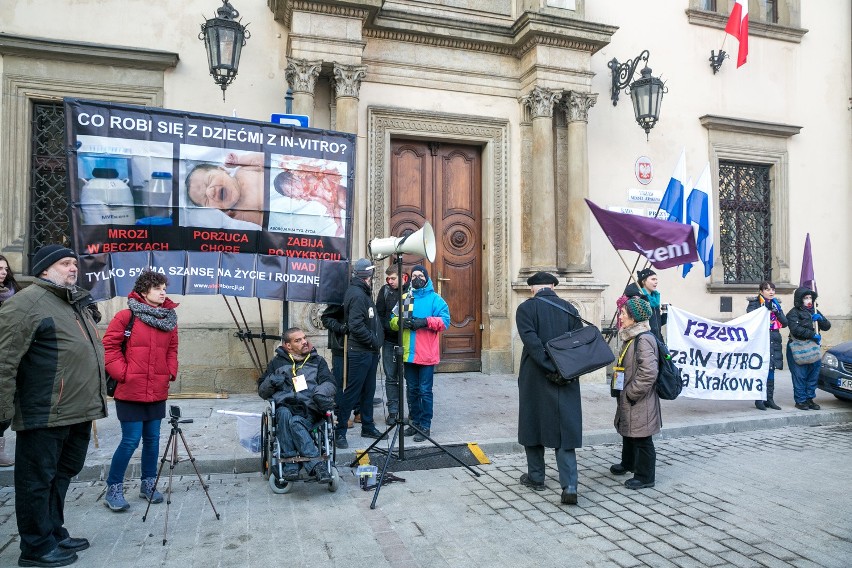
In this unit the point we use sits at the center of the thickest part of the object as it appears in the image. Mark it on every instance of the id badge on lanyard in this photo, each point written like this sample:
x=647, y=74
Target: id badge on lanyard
x=617, y=378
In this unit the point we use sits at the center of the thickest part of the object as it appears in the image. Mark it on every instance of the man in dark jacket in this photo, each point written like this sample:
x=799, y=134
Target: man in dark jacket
x=52, y=381
x=332, y=320
x=549, y=415
x=300, y=383
x=388, y=299
x=364, y=342
x=801, y=320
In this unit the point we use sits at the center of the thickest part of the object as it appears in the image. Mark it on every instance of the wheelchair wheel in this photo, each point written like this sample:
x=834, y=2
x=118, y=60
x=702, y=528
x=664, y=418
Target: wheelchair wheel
x=335, y=480
x=280, y=487
x=265, y=446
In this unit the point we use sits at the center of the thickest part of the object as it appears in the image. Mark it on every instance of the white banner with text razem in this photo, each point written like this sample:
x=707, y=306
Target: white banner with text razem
x=721, y=361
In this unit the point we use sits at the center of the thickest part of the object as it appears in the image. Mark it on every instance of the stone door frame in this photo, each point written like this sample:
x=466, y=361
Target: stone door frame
x=492, y=135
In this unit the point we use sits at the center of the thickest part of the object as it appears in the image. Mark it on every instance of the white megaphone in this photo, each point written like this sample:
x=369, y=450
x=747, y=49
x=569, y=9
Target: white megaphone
x=421, y=243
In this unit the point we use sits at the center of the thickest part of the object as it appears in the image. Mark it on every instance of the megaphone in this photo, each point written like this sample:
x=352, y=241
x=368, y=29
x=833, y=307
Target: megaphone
x=421, y=243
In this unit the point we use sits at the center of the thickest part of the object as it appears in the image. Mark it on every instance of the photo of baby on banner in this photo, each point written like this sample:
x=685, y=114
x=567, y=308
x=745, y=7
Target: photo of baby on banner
x=720, y=361
x=308, y=196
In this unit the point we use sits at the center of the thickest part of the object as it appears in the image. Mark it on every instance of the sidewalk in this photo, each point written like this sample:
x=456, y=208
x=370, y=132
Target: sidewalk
x=469, y=407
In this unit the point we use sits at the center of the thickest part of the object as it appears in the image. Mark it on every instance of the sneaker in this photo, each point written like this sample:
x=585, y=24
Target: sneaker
x=803, y=405
x=618, y=469
x=527, y=482
x=421, y=436
x=634, y=483
x=371, y=432
x=290, y=472
x=409, y=431
x=148, y=492
x=114, y=498
x=321, y=473
x=569, y=497
x=340, y=441
x=391, y=419
x=811, y=404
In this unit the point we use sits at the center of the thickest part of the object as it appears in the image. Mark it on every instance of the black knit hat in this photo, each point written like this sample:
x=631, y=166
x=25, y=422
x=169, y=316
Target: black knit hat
x=643, y=275
x=420, y=268
x=363, y=268
x=47, y=255
x=542, y=279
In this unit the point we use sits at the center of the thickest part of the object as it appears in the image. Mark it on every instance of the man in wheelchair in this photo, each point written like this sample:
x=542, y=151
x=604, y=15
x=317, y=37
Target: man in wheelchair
x=300, y=383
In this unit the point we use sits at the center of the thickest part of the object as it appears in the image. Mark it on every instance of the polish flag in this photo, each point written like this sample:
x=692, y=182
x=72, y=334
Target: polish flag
x=738, y=27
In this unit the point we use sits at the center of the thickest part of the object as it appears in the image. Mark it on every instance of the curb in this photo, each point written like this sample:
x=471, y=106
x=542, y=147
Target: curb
x=227, y=464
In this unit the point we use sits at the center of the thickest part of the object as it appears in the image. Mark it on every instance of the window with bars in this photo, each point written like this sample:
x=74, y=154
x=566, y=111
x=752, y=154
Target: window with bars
x=48, y=209
x=745, y=222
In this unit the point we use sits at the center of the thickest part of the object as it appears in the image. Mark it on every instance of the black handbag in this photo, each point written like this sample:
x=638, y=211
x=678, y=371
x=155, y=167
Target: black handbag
x=578, y=352
x=111, y=383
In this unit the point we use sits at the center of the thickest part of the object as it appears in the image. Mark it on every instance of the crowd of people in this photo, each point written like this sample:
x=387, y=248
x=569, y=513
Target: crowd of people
x=55, y=370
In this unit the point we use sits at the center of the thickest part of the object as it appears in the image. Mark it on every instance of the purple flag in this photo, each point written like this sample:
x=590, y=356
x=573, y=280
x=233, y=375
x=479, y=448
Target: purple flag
x=664, y=243
x=807, y=279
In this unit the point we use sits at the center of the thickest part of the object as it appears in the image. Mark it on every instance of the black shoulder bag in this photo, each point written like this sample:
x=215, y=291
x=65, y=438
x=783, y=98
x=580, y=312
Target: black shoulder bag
x=110, y=382
x=577, y=352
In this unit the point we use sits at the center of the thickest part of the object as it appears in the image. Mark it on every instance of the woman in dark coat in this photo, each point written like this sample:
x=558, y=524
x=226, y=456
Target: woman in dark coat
x=766, y=299
x=801, y=320
x=638, y=416
x=549, y=415
x=8, y=287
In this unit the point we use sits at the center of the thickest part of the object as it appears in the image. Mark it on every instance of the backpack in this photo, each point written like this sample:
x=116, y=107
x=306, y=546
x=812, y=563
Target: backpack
x=669, y=382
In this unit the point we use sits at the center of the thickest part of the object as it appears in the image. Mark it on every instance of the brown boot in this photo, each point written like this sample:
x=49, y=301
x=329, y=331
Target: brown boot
x=5, y=459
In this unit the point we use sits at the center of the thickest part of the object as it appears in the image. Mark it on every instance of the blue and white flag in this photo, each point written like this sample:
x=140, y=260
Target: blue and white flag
x=673, y=201
x=699, y=211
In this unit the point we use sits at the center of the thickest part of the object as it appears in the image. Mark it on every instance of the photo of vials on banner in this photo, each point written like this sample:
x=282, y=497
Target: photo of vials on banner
x=221, y=205
x=722, y=361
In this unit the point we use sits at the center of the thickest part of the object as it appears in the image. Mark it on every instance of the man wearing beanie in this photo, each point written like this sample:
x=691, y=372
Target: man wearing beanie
x=52, y=385
x=425, y=315
x=549, y=414
x=365, y=340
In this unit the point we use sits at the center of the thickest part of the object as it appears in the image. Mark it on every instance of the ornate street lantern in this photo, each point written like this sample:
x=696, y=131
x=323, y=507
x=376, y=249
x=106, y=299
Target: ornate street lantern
x=646, y=92
x=224, y=38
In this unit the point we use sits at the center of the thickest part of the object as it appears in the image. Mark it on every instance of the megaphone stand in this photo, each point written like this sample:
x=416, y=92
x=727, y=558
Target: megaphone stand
x=401, y=421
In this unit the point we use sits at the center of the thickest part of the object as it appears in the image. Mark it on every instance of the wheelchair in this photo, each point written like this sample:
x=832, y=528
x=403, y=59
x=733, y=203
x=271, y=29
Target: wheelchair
x=272, y=464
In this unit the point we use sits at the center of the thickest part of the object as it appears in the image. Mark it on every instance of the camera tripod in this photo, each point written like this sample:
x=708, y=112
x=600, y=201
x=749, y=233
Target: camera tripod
x=171, y=455
x=401, y=421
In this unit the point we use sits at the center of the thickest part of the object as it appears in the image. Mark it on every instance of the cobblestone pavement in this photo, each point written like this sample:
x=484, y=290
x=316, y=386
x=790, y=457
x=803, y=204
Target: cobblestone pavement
x=762, y=498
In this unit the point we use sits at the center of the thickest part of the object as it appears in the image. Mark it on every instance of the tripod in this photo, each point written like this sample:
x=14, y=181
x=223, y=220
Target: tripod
x=171, y=455
x=400, y=421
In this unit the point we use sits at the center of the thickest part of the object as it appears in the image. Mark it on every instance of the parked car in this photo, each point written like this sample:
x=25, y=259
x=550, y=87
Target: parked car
x=835, y=376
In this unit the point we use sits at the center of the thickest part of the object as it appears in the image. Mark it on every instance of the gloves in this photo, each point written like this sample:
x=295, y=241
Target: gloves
x=816, y=317
x=414, y=323
x=324, y=402
x=817, y=337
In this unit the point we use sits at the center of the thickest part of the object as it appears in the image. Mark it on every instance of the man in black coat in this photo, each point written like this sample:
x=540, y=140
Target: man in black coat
x=363, y=345
x=549, y=415
x=388, y=298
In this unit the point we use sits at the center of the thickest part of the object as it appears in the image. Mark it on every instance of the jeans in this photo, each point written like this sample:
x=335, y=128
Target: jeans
x=294, y=436
x=45, y=461
x=566, y=462
x=131, y=433
x=418, y=386
x=805, y=378
x=639, y=456
x=391, y=367
x=360, y=389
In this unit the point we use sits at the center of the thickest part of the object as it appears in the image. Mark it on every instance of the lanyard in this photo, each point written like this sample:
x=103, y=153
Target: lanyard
x=295, y=368
x=624, y=352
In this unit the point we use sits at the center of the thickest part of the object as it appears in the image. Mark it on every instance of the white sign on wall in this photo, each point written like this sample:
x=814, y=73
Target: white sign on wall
x=628, y=210
x=644, y=170
x=645, y=195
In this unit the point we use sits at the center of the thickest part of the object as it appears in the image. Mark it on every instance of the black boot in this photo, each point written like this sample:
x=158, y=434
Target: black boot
x=770, y=396
x=758, y=404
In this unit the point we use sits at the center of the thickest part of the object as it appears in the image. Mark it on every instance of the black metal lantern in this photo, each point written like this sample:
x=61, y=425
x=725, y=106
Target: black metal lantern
x=224, y=38
x=646, y=92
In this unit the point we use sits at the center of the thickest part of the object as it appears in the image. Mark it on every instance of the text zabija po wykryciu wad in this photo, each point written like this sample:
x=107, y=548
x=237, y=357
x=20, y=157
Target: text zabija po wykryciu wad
x=220, y=205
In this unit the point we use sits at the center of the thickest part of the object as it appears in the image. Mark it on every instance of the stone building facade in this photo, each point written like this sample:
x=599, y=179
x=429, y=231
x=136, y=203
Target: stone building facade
x=492, y=120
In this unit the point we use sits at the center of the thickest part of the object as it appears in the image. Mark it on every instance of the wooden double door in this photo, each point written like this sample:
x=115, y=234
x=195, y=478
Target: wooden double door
x=442, y=184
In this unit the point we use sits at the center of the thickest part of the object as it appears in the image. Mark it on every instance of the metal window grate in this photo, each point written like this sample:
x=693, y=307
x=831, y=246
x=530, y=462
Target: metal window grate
x=745, y=226
x=48, y=177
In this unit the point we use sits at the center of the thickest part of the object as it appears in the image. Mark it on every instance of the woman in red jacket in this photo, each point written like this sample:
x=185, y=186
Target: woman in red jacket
x=143, y=367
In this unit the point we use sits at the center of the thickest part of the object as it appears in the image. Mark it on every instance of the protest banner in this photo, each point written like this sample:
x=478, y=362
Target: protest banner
x=721, y=361
x=220, y=205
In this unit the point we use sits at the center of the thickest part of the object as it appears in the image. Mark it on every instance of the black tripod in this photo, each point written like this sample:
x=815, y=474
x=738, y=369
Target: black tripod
x=401, y=421
x=171, y=454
